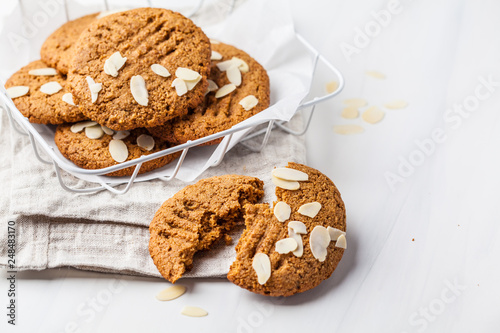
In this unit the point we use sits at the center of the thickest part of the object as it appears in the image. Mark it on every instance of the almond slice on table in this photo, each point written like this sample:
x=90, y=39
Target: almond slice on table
x=262, y=267
x=286, y=245
x=114, y=63
x=118, y=150
x=331, y=86
x=334, y=233
x=160, y=70
x=249, y=102
x=94, y=132
x=78, y=127
x=180, y=86
x=290, y=174
x=319, y=241
x=17, y=91
x=348, y=129
x=298, y=227
x=139, y=91
x=285, y=184
x=171, y=293
x=146, y=141
x=355, y=102
x=282, y=211
x=193, y=311
x=376, y=74
x=350, y=113
x=68, y=98
x=43, y=72
x=51, y=88
x=341, y=242
x=121, y=135
x=310, y=209
x=397, y=104
x=373, y=115
x=225, y=90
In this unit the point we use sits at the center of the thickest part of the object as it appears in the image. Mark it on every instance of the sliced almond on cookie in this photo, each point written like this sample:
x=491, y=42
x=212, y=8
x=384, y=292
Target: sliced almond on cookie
x=298, y=227
x=249, y=102
x=212, y=86
x=319, y=241
x=160, y=70
x=107, y=130
x=299, y=251
x=121, y=135
x=78, y=127
x=94, y=88
x=242, y=65
x=290, y=174
x=261, y=264
x=114, y=63
x=146, y=141
x=187, y=74
x=234, y=75
x=43, y=72
x=191, y=84
x=282, y=211
x=286, y=245
x=180, y=86
x=68, y=98
x=225, y=90
x=334, y=233
x=341, y=242
x=17, y=91
x=94, y=132
x=118, y=150
x=51, y=88
x=216, y=55
x=285, y=184
x=139, y=91
x=171, y=293
x=310, y=209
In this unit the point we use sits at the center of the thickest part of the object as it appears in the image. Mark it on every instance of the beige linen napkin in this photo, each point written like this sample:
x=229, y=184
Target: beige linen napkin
x=103, y=231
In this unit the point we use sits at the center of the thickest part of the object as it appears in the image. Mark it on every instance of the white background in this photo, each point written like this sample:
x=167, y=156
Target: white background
x=422, y=253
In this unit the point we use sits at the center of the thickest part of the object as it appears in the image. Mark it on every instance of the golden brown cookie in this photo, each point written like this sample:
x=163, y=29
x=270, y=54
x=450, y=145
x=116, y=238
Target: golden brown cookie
x=218, y=114
x=197, y=216
x=289, y=273
x=38, y=106
x=57, y=49
x=90, y=153
x=130, y=94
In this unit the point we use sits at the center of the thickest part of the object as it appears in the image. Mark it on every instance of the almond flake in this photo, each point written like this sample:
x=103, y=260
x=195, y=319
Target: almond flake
x=285, y=184
x=225, y=90
x=160, y=70
x=187, y=74
x=299, y=251
x=51, y=88
x=310, y=209
x=78, y=127
x=319, y=241
x=139, y=91
x=225, y=65
x=193, y=311
x=355, y=102
x=376, y=75
x=120, y=135
x=350, y=113
x=68, y=98
x=334, y=233
x=249, y=102
x=261, y=264
x=216, y=55
x=397, y=104
x=17, y=91
x=348, y=129
x=290, y=174
x=373, y=115
x=107, y=130
x=94, y=88
x=298, y=227
x=43, y=72
x=180, y=86
x=171, y=293
x=341, y=242
x=212, y=86
x=282, y=211
x=242, y=65
x=331, y=86
x=213, y=41
x=234, y=75
x=286, y=245
x=118, y=150
x=94, y=132
x=191, y=84
x=114, y=63
x=146, y=141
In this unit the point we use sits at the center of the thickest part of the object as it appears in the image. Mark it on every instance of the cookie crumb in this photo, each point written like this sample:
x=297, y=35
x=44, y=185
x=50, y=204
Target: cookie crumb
x=413, y=239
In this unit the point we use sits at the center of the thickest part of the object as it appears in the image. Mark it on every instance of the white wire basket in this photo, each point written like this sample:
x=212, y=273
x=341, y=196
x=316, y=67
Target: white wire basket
x=47, y=154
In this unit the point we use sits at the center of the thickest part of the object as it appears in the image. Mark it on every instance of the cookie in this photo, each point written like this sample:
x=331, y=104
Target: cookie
x=43, y=105
x=197, y=216
x=259, y=265
x=218, y=114
x=57, y=49
x=90, y=153
x=111, y=73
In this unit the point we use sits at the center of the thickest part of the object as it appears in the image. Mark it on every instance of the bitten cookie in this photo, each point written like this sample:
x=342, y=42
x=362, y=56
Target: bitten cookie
x=195, y=217
x=289, y=249
x=40, y=93
x=139, y=68
x=89, y=147
x=250, y=96
x=57, y=49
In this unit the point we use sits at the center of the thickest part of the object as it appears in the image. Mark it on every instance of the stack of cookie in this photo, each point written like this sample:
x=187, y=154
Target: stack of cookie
x=133, y=83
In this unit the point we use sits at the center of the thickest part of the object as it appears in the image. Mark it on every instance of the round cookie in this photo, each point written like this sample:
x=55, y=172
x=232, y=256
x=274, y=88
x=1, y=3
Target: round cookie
x=145, y=36
x=197, y=216
x=94, y=153
x=290, y=274
x=57, y=49
x=218, y=114
x=37, y=106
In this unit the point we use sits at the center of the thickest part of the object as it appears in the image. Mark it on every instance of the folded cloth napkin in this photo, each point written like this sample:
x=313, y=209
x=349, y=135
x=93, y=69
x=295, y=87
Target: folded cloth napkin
x=106, y=232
